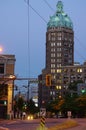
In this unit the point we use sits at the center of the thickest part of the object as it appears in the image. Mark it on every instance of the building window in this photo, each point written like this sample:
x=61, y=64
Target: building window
x=58, y=54
x=52, y=65
x=52, y=60
x=52, y=70
x=58, y=87
x=52, y=44
x=52, y=49
x=53, y=38
x=52, y=93
x=59, y=34
x=52, y=54
x=53, y=34
x=58, y=49
x=59, y=38
x=58, y=65
x=58, y=70
x=2, y=68
x=58, y=60
x=79, y=70
x=58, y=43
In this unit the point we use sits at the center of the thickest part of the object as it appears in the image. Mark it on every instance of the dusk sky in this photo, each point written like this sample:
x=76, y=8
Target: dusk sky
x=14, y=31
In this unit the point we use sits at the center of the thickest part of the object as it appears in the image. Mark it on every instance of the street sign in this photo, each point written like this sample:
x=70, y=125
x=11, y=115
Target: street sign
x=42, y=111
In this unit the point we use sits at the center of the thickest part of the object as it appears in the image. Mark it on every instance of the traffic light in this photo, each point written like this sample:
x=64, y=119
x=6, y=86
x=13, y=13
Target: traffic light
x=83, y=89
x=48, y=80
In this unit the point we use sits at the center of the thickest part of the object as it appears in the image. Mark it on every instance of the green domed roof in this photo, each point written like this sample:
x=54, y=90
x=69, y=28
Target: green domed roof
x=60, y=19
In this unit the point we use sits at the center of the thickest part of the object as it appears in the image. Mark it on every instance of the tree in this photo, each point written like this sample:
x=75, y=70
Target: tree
x=81, y=101
x=73, y=86
x=20, y=103
x=31, y=108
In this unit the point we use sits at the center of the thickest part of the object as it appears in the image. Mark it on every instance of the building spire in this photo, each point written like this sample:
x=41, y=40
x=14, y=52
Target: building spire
x=59, y=6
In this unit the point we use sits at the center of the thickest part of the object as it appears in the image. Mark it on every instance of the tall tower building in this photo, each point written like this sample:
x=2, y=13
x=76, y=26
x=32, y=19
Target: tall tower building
x=59, y=40
x=59, y=51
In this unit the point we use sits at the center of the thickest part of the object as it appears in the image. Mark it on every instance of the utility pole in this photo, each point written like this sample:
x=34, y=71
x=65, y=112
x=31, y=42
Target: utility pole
x=28, y=46
x=28, y=90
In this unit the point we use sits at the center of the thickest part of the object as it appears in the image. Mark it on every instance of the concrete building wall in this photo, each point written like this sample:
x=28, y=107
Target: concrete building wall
x=7, y=76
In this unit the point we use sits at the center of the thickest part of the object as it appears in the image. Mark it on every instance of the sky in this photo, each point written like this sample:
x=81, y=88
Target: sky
x=16, y=27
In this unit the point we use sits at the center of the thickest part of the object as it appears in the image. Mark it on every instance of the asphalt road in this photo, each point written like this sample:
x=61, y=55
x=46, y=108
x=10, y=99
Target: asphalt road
x=34, y=124
x=81, y=126
x=28, y=124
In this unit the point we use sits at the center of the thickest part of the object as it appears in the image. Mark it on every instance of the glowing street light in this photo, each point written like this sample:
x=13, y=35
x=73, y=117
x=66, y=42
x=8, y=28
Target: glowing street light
x=1, y=49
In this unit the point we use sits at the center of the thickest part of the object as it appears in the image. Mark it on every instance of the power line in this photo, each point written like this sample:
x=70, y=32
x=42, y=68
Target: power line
x=28, y=44
x=27, y=1
x=49, y=5
x=80, y=55
x=80, y=43
x=28, y=47
x=37, y=13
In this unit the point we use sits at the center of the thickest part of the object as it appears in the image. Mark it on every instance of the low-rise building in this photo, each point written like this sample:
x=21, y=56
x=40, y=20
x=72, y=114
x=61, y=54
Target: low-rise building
x=7, y=77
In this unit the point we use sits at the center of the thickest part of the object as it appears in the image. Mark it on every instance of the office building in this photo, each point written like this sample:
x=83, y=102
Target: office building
x=59, y=64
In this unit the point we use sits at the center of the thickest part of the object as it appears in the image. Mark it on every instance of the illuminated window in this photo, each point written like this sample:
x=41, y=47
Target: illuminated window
x=58, y=70
x=52, y=70
x=58, y=43
x=52, y=65
x=53, y=44
x=58, y=87
x=79, y=70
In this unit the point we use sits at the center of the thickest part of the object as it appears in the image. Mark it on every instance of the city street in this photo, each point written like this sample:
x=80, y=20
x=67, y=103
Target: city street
x=34, y=124
x=28, y=124
x=81, y=126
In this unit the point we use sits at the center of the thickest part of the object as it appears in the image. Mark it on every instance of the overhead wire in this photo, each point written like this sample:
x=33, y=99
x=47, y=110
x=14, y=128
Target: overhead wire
x=28, y=44
x=80, y=43
x=80, y=55
x=28, y=47
x=49, y=5
x=37, y=13
x=81, y=46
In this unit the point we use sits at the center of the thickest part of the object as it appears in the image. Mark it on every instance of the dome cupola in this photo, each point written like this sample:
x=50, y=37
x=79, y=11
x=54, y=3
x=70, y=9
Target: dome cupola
x=60, y=18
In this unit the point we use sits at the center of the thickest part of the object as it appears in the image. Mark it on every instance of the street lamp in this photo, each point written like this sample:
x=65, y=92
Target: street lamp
x=1, y=49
